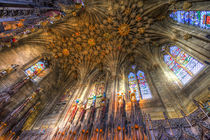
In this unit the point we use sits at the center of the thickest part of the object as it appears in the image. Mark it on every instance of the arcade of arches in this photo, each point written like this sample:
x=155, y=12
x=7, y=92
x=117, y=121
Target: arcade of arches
x=104, y=69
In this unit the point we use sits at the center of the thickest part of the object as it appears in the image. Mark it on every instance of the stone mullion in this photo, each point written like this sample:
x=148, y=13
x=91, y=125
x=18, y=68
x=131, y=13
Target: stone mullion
x=180, y=64
x=106, y=83
x=155, y=87
x=161, y=90
x=177, y=104
x=127, y=87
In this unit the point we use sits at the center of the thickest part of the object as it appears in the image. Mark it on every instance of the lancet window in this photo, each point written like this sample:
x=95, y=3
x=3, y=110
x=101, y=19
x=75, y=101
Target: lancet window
x=184, y=66
x=143, y=85
x=139, y=86
x=195, y=18
x=133, y=85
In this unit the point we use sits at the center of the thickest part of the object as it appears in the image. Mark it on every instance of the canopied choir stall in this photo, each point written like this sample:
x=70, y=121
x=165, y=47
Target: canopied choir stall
x=119, y=117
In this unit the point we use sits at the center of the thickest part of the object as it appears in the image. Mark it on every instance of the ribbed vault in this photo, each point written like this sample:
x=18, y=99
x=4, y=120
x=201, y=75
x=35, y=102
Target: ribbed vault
x=102, y=34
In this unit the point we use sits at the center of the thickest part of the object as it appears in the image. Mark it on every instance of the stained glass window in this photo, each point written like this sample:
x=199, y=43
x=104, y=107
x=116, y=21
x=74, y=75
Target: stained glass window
x=133, y=85
x=195, y=18
x=182, y=64
x=35, y=69
x=91, y=97
x=144, y=87
x=190, y=63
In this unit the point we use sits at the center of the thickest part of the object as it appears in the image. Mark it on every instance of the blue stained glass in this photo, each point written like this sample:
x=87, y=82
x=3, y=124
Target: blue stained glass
x=194, y=66
x=183, y=76
x=174, y=50
x=144, y=87
x=176, y=68
x=195, y=18
x=168, y=60
x=174, y=15
x=171, y=65
x=182, y=18
x=188, y=64
x=94, y=97
x=179, y=19
x=183, y=58
x=186, y=17
x=77, y=101
x=191, y=17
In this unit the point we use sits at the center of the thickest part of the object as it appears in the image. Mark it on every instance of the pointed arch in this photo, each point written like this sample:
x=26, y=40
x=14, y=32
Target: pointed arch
x=133, y=85
x=183, y=65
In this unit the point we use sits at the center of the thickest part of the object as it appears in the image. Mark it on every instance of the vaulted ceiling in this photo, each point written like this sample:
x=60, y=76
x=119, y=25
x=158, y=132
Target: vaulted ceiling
x=102, y=34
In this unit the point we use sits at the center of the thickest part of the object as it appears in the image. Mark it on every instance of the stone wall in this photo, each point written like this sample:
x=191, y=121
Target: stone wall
x=24, y=56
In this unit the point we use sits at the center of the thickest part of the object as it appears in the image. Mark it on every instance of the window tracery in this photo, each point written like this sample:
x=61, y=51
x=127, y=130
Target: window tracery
x=133, y=85
x=184, y=66
x=139, y=86
x=144, y=87
x=195, y=18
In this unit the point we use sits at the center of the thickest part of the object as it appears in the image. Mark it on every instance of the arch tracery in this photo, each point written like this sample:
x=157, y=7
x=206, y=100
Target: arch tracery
x=183, y=65
x=195, y=18
x=138, y=84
